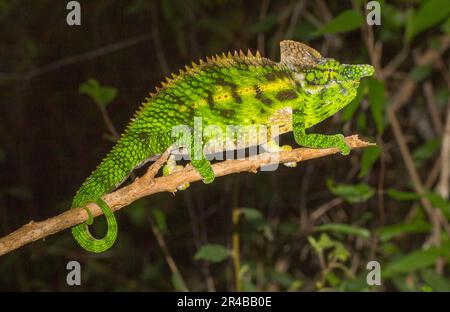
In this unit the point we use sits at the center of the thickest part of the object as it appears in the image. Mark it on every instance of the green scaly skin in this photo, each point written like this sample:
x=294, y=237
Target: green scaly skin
x=298, y=92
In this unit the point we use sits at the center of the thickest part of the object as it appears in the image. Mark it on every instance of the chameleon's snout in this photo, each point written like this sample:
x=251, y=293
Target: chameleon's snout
x=366, y=70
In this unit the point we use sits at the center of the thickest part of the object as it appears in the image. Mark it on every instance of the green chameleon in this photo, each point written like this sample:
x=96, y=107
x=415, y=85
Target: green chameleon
x=300, y=91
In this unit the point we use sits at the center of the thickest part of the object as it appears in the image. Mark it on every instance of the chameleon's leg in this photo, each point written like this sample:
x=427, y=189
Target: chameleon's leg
x=272, y=146
x=84, y=237
x=316, y=140
x=171, y=166
x=200, y=163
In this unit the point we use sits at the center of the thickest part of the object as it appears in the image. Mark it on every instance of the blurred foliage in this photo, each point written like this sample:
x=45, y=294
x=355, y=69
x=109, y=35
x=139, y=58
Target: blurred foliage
x=314, y=227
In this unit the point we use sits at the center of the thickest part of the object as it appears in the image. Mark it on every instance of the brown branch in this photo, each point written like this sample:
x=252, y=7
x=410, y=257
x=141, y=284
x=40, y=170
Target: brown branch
x=148, y=185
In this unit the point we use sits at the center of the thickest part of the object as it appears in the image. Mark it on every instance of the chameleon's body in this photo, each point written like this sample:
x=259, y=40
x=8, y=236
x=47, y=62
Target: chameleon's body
x=298, y=92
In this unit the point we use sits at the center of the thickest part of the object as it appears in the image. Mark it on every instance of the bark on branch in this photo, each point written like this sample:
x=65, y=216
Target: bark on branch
x=147, y=185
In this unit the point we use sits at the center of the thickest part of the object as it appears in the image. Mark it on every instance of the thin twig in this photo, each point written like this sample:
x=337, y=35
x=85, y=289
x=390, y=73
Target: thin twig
x=443, y=185
x=169, y=259
x=148, y=185
x=108, y=122
x=432, y=107
x=235, y=239
x=33, y=73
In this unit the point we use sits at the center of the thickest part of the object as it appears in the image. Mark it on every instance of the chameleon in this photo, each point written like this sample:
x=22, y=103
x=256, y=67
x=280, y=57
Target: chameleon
x=299, y=91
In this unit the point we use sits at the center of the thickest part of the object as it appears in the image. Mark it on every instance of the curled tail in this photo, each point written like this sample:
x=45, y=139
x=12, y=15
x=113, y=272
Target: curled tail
x=84, y=237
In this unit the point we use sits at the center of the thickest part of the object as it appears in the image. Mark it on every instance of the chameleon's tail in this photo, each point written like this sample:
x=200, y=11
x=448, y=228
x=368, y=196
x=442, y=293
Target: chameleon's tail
x=87, y=241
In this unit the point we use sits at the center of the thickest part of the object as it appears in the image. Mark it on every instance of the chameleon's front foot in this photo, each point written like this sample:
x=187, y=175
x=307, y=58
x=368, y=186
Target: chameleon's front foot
x=170, y=167
x=343, y=147
x=203, y=166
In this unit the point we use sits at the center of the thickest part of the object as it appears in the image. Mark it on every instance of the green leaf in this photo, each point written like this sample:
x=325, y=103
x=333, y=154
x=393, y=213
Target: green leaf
x=426, y=151
x=369, y=157
x=160, y=219
x=257, y=220
x=437, y=201
x=445, y=27
x=332, y=279
x=429, y=14
x=377, y=100
x=402, y=196
x=252, y=214
x=345, y=21
x=344, y=229
x=178, y=282
x=388, y=232
x=419, y=73
x=102, y=95
x=416, y=260
x=212, y=253
x=264, y=25
x=323, y=243
x=352, y=193
x=435, y=281
x=137, y=213
x=281, y=278
x=18, y=192
x=340, y=253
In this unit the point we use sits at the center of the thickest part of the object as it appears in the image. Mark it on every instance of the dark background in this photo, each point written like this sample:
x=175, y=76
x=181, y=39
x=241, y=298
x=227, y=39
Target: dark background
x=314, y=227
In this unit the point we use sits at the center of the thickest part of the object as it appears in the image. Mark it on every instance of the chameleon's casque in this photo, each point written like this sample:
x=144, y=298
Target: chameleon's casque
x=301, y=90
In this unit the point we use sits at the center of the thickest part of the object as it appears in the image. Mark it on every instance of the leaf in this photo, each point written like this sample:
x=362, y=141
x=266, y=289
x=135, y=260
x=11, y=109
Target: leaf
x=429, y=14
x=419, y=73
x=391, y=231
x=18, y=192
x=402, y=196
x=445, y=27
x=345, y=21
x=160, y=219
x=377, y=101
x=252, y=215
x=178, y=282
x=426, y=151
x=323, y=243
x=281, y=278
x=256, y=219
x=344, y=229
x=212, y=253
x=369, y=157
x=102, y=95
x=434, y=280
x=352, y=193
x=340, y=253
x=137, y=213
x=264, y=25
x=416, y=260
x=437, y=201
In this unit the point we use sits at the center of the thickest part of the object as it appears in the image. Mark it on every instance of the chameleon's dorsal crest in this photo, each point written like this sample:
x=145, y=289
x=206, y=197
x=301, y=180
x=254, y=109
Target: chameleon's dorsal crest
x=294, y=53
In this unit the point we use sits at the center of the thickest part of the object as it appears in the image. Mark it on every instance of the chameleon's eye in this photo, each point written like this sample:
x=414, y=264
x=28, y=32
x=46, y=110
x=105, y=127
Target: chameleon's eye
x=348, y=72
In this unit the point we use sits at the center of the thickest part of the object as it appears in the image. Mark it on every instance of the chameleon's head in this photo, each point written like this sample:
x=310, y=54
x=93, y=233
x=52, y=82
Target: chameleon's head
x=327, y=84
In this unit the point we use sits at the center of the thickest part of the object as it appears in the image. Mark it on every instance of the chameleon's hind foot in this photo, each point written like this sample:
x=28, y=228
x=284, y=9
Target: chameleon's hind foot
x=288, y=148
x=273, y=147
x=171, y=167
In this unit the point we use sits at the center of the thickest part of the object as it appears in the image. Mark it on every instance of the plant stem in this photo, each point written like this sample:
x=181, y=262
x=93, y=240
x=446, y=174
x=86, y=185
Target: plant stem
x=236, y=240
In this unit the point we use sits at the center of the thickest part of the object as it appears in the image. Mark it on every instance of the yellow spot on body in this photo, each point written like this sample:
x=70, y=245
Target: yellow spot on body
x=276, y=85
